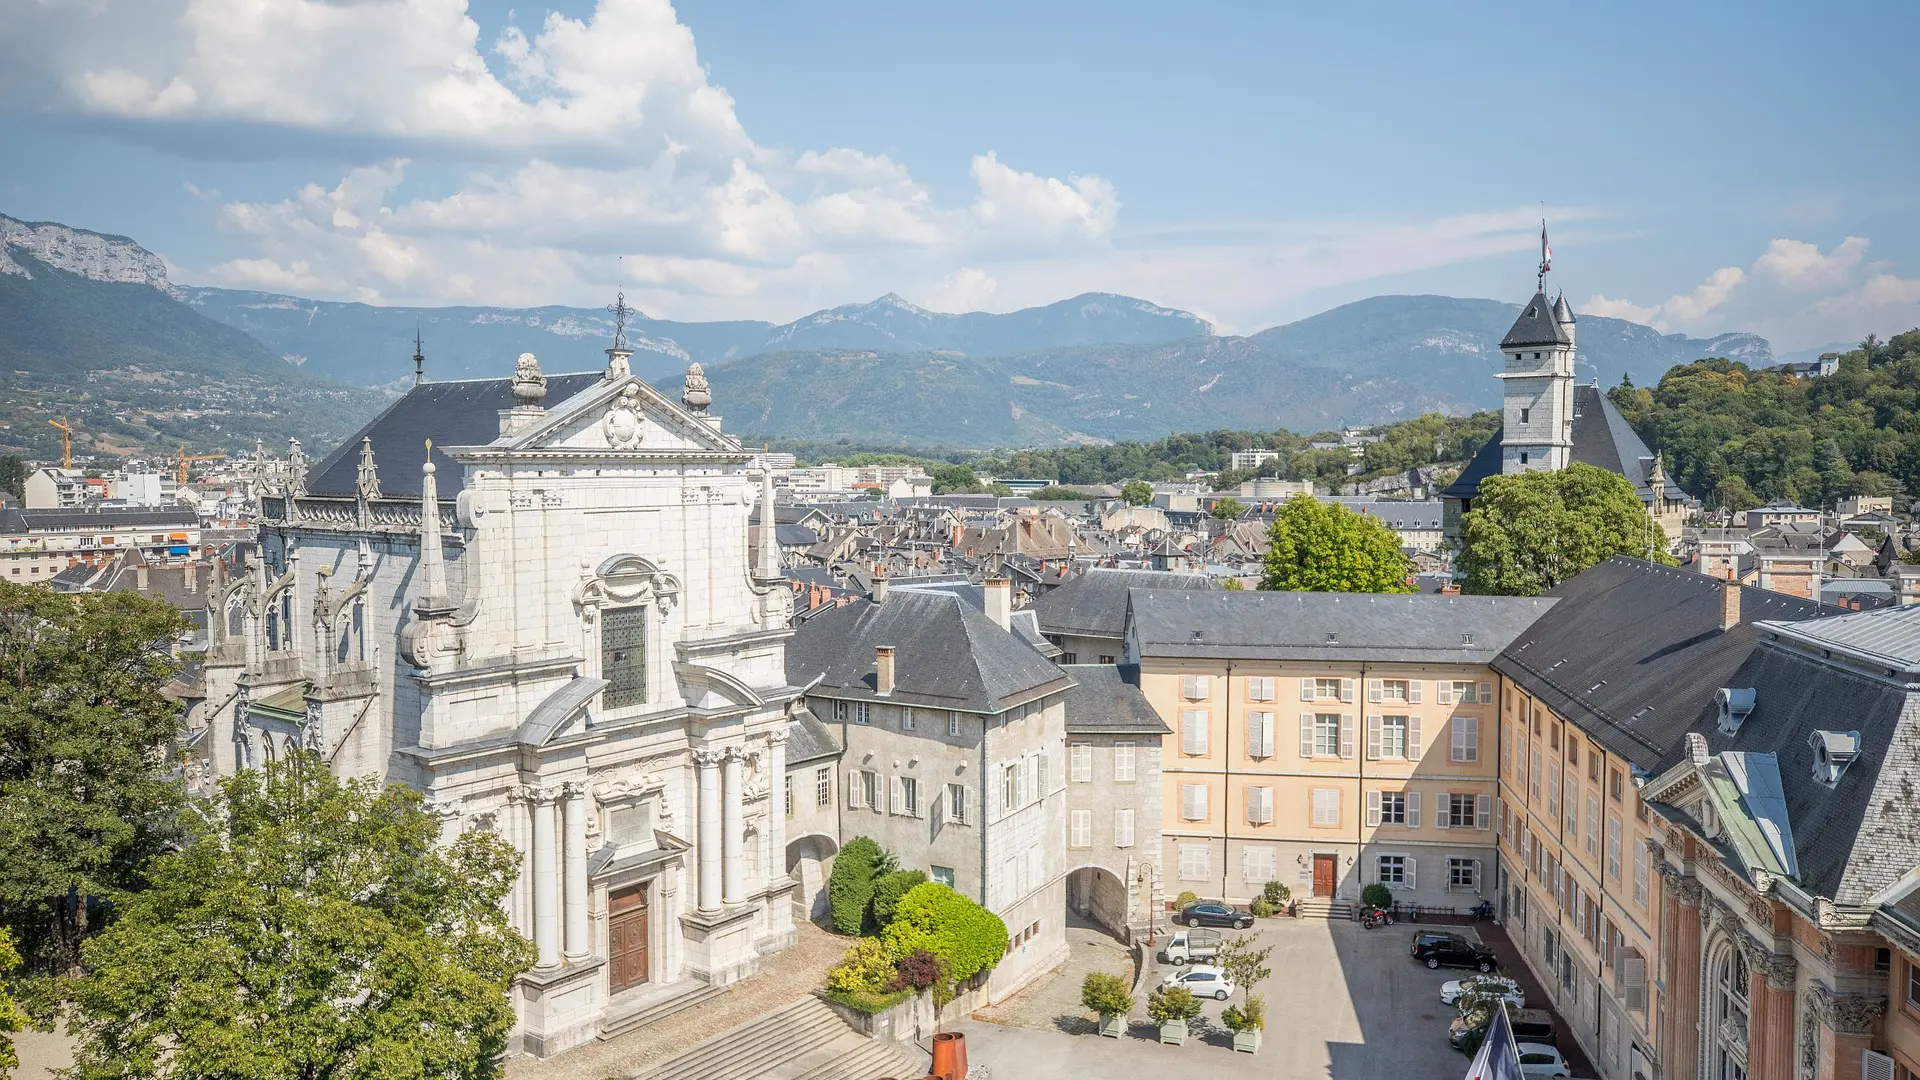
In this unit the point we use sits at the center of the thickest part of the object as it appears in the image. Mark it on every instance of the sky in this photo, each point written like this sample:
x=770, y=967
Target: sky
x=1703, y=167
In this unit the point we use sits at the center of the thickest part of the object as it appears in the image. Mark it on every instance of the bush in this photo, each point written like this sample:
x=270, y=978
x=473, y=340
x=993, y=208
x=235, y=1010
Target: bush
x=968, y=938
x=870, y=1003
x=1260, y=908
x=850, y=888
x=866, y=969
x=1184, y=899
x=1106, y=993
x=1172, y=1003
x=921, y=969
x=1251, y=1016
x=1276, y=893
x=1377, y=895
x=887, y=891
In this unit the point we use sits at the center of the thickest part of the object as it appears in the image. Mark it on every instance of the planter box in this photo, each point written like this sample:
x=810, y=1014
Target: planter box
x=1174, y=1033
x=1247, y=1042
x=1113, y=1026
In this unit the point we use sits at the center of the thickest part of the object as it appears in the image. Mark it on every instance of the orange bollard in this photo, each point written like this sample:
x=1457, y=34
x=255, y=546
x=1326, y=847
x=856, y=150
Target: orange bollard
x=950, y=1055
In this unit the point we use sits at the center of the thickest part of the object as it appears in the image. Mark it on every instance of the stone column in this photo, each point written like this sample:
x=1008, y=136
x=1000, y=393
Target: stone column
x=1770, y=1010
x=708, y=764
x=579, y=943
x=1839, y=1027
x=734, y=823
x=546, y=884
x=1680, y=1043
x=777, y=804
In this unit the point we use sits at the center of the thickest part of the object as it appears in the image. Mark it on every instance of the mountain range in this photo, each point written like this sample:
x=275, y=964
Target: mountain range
x=76, y=305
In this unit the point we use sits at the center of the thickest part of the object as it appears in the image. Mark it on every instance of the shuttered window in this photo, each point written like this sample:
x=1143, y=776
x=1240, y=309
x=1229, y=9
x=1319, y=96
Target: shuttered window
x=1080, y=829
x=1080, y=763
x=1260, y=734
x=1326, y=807
x=1193, y=802
x=1260, y=806
x=1259, y=689
x=1258, y=865
x=1123, y=762
x=1123, y=828
x=1194, y=862
x=1466, y=738
x=623, y=656
x=1193, y=732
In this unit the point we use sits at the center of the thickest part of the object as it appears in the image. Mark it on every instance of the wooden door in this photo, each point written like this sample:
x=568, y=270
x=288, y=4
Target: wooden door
x=627, y=938
x=1324, y=872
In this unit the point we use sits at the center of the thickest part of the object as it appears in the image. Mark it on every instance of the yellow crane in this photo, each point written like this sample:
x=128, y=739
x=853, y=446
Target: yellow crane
x=66, y=441
x=185, y=457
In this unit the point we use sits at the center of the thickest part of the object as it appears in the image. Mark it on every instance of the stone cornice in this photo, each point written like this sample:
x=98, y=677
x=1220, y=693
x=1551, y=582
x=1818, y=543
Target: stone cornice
x=1845, y=1014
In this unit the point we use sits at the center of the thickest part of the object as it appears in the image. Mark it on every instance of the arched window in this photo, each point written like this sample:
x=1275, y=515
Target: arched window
x=1727, y=1044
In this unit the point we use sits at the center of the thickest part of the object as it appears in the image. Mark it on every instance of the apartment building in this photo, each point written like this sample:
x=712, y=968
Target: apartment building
x=1114, y=741
x=1324, y=740
x=37, y=544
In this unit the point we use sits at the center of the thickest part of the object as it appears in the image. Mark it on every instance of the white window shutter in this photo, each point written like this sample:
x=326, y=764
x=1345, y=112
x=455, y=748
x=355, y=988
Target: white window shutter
x=898, y=801
x=1875, y=1066
x=1413, y=738
x=1189, y=686
x=1486, y=693
x=1373, y=738
x=1346, y=690
x=1373, y=809
x=1413, y=809
x=1411, y=864
x=1443, y=810
x=1206, y=686
x=853, y=788
x=1253, y=806
x=1444, y=692
x=1123, y=828
x=1413, y=691
x=1266, y=806
x=1346, y=735
x=1193, y=731
x=1306, y=689
x=1483, y=811
x=1306, y=734
x=1374, y=692
x=1266, y=734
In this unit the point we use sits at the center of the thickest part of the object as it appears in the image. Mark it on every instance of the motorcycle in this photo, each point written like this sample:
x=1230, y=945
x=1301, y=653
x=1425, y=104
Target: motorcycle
x=1374, y=918
x=1484, y=911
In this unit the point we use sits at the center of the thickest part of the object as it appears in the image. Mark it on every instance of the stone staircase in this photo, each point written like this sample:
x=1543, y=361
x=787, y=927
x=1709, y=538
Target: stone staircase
x=806, y=1040
x=1320, y=907
x=660, y=1010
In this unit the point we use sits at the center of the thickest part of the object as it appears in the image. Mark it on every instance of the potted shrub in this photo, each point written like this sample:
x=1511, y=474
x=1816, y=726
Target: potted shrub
x=1108, y=995
x=1376, y=896
x=1247, y=1022
x=1171, y=1007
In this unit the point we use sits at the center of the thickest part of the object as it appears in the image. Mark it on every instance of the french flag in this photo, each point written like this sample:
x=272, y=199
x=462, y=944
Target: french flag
x=1498, y=1058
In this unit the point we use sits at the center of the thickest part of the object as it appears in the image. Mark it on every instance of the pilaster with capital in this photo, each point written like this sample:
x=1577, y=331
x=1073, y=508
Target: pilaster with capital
x=546, y=884
x=579, y=944
x=734, y=826
x=776, y=804
x=707, y=766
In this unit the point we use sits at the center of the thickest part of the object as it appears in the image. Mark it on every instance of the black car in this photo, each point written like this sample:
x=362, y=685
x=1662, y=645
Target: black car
x=1210, y=914
x=1451, y=950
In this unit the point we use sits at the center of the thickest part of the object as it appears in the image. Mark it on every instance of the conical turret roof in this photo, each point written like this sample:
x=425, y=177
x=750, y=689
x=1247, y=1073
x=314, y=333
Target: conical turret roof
x=1536, y=325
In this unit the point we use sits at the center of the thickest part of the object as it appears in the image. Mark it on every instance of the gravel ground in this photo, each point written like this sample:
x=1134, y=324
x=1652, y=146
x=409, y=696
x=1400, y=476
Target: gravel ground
x=783, y=977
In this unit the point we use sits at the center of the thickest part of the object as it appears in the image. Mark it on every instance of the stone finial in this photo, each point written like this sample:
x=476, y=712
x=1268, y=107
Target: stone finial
x=696, y=396
x=366, y=477
x=296, y=468
x=529, y=385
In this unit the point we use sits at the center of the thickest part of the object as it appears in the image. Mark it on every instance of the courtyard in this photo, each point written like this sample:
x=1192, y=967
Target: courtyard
x=1342, y=1004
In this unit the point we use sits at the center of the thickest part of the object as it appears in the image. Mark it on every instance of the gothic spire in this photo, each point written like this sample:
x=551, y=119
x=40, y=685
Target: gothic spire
x=433, y=574
x=366, y=478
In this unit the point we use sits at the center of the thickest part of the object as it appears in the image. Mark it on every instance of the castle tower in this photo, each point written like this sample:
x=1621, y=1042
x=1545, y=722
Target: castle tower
x=1537, y=423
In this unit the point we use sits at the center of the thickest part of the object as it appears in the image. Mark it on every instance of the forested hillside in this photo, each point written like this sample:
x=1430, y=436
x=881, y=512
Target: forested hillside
x=1736, y=437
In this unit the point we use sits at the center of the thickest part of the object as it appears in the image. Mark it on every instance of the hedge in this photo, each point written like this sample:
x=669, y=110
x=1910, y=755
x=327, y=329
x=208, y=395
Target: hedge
x=887, y=891
x=870, y=1003
x=933, y=917
x=850, y=888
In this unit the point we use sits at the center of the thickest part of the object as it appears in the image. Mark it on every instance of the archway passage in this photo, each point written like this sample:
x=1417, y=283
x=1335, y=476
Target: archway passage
x=1096, y=895
x=810, y=862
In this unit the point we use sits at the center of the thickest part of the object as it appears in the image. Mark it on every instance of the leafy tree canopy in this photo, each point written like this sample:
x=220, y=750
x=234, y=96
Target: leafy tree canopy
x=1530, y=531
x=931, y=916
x=309, y=928
x=1228, y=508
x=1136, y=492
x=13, y=475
x=85, y=792
x=1315, y=546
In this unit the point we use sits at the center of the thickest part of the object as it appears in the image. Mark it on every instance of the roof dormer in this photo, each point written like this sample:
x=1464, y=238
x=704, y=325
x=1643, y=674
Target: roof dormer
x=1833, y=751
x=1735, y=707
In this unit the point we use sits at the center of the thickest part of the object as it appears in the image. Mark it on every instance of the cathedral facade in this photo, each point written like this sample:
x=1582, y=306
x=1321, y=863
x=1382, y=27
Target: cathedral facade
x=533, y=600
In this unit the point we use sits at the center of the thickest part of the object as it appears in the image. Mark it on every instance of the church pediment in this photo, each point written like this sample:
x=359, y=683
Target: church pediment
x=624, y=415
x=705, y=687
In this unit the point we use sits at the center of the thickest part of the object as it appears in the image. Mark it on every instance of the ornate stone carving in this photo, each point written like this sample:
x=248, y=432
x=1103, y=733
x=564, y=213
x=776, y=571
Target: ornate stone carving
x=776, y=738
x=708, y=759
x=1845, y=1014
x=529, y=385
x=621, y=425
x=574, y=789
x=1779, y=968
x=696, y=395
x=1809, y=1044
x=539, y=794
x=1687, y=890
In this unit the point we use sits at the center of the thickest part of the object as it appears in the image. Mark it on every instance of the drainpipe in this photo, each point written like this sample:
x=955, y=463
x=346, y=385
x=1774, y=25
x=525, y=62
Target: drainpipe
x=1360, y=770
x=1226, y=785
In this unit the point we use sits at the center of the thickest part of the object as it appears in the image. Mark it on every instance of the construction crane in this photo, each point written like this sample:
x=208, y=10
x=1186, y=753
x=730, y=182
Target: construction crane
x=66, y=441
x=185, y=457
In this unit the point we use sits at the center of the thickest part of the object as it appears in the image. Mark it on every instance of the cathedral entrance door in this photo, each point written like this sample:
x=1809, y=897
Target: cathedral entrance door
x=627, y=938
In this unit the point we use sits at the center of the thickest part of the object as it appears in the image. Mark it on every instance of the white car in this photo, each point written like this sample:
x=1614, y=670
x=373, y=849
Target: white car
x=1453, y=991
x=1541, y=1060
x=1204, y=980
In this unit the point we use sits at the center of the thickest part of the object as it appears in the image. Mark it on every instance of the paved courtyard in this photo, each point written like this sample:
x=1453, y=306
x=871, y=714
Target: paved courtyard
x=1343, y=1004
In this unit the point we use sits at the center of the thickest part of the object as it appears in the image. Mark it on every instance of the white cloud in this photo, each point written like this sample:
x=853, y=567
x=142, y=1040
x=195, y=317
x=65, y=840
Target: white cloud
x=1797, y=264
x=1680, y=311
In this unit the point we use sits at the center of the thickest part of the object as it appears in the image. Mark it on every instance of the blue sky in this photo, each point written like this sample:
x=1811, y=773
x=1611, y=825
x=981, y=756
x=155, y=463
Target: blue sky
x=1706, y=167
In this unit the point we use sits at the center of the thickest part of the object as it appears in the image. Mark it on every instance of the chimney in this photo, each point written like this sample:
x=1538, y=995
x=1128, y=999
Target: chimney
x=879, y=592
x=191, y=574
x=140, y=578
x=1729, y=602
x=1000, y=602
x=883, y=670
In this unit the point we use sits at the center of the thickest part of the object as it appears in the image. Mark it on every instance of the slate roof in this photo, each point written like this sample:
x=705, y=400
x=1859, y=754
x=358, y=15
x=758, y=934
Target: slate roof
x=1601, y=438
x=1095, y=603
x=465, y=412
x=1106, y=698
x=1536, y=325
x=809, y=739
x=15, y=520
x=1632, y=652
x=1411, y=628
x=949, y=655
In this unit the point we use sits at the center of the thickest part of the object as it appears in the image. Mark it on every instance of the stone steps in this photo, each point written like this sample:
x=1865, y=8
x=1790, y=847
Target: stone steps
x=806, y=1040
x=1323, y=908
x=660, y=1010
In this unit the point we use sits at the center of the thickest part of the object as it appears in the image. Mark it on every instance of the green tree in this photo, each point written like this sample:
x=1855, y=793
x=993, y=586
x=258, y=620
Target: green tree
x=1136, y=492
x=887, y=891
x=931, y=916
x=13, y=475
x=85, y=793
x=1733, y=495
x=850, y=887
x=12, y=1018
x=1528, y=532
x=309, y=928
x=1228, y=509
x=954, y=480
x=1243, y=963
x=1315, y=546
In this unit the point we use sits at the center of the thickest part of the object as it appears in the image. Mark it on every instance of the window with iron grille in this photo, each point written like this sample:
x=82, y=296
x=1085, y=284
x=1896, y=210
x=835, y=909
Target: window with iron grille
x=623, y=656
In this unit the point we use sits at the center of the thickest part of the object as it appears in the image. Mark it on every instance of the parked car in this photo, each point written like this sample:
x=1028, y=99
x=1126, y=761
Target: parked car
x=1500, y=984
x=1529, y=1025
x=1192, y=947
x=1542, y=1061
x=1207, y=913
x=1204, y=980
x=1436, y=949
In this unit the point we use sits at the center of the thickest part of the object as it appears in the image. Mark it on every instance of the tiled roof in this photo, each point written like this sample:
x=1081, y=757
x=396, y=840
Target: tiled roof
x=809, y=739
x=1413, y=628
x=1095, y=603
x=1107, y=698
